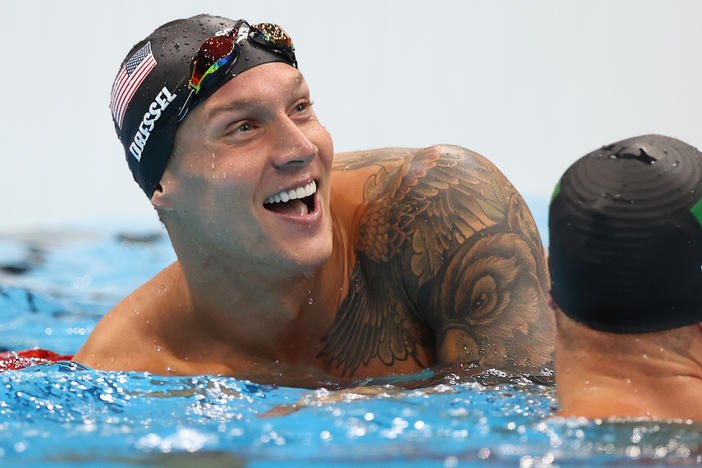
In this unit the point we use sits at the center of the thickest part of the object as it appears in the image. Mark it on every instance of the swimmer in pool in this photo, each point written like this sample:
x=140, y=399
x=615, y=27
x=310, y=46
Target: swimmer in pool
x=361, y=264
x=625, y=257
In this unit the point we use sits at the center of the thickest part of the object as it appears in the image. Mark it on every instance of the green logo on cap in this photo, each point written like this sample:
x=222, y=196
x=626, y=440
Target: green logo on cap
x=557, y=190
x=697, y=211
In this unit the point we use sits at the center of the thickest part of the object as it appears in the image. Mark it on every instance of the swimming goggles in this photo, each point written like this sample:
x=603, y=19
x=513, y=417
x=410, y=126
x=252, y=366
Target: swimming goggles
x=208, y=64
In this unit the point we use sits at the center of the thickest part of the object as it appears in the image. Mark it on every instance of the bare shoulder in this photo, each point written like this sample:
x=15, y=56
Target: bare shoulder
x=447, y=257
x=126, y=337
x=382, y=171
x=438, y=195
x=421, y=205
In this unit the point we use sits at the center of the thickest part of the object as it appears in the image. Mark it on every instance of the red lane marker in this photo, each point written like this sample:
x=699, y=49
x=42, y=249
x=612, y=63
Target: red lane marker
x=10, y=360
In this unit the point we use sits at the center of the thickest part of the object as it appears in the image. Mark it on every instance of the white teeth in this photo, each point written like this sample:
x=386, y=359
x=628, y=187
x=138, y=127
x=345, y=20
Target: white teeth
x=293, y=194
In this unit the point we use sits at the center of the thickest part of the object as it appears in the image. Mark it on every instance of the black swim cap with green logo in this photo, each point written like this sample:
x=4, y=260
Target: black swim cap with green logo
x=625, y=226
x=159, y=81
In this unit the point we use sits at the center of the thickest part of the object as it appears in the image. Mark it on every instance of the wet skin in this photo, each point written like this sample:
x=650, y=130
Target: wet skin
x=402, y=259
x=243, y=145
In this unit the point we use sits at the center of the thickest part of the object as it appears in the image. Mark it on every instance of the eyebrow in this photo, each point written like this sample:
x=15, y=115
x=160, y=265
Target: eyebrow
x=245, y=104
x=238, y=105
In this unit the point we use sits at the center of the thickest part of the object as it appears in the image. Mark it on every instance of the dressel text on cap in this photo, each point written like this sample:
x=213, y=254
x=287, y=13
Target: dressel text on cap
x=148, y=122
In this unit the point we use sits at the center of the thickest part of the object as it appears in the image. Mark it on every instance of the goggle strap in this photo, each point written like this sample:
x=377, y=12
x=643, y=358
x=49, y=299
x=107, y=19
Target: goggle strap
x=186, y=105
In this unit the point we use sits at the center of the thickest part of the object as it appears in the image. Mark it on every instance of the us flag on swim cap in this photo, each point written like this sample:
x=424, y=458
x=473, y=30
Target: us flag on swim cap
x=130, y=76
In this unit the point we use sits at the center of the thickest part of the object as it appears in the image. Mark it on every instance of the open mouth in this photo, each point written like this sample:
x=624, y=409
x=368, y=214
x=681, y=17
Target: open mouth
x=298, y=201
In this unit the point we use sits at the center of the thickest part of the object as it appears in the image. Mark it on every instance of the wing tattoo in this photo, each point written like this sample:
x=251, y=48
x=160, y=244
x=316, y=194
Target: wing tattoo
x=416, y=210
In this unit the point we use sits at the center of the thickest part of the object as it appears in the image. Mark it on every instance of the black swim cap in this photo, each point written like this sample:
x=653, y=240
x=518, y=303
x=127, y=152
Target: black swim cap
x=625, y=226
x=152, y=86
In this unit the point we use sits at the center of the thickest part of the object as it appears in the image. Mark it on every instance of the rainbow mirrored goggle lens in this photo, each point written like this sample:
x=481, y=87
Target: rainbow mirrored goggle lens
x=221, y=49
x=271, y=34
x=213, y=54
x=217, y=51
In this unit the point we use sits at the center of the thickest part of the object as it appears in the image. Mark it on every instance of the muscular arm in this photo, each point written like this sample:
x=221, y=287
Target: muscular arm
x=448, y=257
x=487, y=300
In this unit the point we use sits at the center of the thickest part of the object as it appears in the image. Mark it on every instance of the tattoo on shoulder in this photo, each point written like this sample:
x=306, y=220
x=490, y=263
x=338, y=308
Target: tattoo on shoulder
x=449, y=258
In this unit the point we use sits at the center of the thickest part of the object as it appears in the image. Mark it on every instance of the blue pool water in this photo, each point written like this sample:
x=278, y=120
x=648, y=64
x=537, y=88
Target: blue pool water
x=55, y=286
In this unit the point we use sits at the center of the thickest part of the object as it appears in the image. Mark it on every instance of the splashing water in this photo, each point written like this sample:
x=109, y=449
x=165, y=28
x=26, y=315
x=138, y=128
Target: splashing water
x=55, y=287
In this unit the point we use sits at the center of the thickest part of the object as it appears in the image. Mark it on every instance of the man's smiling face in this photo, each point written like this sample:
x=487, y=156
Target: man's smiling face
x=250, y=172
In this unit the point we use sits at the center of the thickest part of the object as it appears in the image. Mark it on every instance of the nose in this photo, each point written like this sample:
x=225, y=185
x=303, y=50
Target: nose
x=293, y=147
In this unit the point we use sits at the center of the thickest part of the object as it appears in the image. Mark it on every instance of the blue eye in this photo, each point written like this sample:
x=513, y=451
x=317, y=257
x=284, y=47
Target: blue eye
x=302, y=106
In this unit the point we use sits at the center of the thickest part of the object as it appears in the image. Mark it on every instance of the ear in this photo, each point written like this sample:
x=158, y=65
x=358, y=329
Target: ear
x=160, y=199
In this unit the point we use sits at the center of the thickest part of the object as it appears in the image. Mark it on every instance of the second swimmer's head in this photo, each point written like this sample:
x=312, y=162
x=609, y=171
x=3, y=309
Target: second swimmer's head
x=625, y=225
